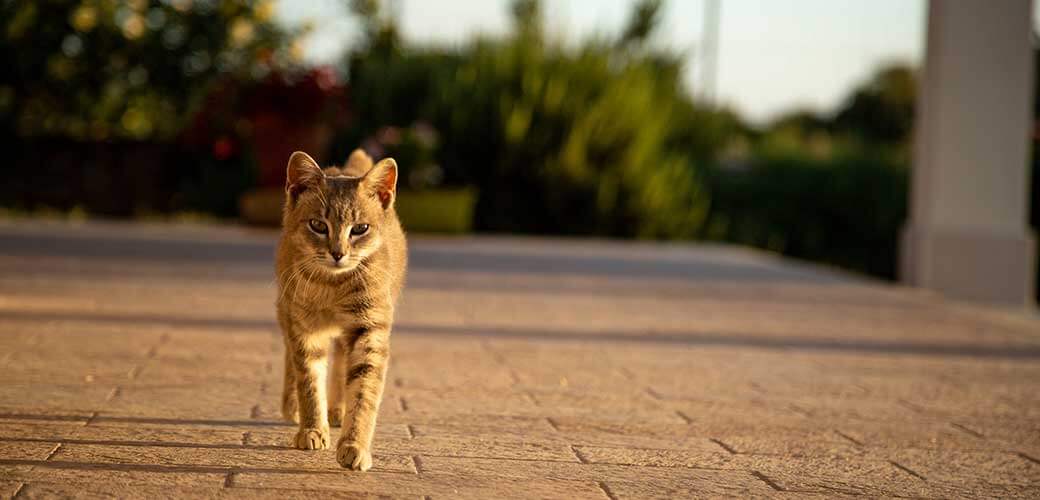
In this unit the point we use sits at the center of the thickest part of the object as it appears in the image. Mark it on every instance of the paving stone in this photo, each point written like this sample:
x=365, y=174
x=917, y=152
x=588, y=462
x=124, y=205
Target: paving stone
x=482, y=426
x=928, y=434
x=639, y=479
x=693, y=484
x=110, y=491
x=966, y=467
x=706, y=455
x=282, y=436
x=477, y=447
x=874, y=477
x=123, y=475
x=841, y=475
x=468, y=400
x=70, y=334
x=13, y=430
x=521, y=368
x=8, y=489
x=105, y=433
x=1005, y=433
x=26, y=450
x=220, y=422
x=17, y=458
x=633, y=405
x=167, y=371
x=819, y=443
x=238, y=457
x=186, y=400
x=98, y=371
x=10, y=414
x=36, y=397
x=428, y=484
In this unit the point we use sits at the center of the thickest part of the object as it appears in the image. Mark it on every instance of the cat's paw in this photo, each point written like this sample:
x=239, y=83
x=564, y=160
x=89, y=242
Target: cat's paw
x=310, y=438
x=335, y=417
x=353, y=456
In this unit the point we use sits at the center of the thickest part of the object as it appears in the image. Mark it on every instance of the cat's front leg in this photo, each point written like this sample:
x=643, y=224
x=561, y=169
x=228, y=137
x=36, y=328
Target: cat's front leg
x=337, y=374
x=309, y=357
x=365, y=379
x=290, y=402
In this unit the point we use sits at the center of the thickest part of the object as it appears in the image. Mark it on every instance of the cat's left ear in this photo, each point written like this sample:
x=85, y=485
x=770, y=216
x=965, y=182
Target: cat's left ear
x=382, y=181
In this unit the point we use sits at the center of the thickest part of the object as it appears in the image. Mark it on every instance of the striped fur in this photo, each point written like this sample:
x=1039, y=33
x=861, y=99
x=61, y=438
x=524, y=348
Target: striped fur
x=341, y=309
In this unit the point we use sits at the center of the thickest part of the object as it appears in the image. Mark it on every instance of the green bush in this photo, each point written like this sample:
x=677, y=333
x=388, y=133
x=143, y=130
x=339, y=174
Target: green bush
x=599, y=139
x=846, y=210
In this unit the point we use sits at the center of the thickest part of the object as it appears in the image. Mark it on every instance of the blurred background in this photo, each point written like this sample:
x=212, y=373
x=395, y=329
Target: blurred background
x=784, y=125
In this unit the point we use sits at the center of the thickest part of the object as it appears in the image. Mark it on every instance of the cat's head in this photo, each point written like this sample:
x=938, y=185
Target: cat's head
x=335, y=221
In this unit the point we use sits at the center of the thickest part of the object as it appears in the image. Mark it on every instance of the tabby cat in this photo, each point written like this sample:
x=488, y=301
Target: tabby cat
x=340, y=267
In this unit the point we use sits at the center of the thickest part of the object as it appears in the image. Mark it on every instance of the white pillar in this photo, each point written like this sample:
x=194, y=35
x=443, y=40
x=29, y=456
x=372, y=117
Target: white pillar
x=968, y=233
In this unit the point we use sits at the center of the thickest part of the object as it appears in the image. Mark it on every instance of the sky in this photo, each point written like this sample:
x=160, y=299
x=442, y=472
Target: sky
x=774, y=56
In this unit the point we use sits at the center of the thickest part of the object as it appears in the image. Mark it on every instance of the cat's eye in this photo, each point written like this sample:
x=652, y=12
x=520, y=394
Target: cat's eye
x=359, y=229
x=318, y=226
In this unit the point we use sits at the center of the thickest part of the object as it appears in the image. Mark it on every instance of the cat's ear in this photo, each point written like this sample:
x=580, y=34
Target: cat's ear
x=382, y=181
x=301, y=174
x=359, y=161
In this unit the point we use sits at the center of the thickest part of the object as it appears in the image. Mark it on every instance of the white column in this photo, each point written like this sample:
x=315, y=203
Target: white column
x=968, y=233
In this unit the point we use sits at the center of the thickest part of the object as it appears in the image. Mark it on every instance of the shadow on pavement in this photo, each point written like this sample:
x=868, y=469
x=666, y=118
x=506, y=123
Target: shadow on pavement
x=548, y=258
x=688, y=339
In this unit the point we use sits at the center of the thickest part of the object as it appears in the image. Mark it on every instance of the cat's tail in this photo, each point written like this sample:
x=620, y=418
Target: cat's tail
x=359, y=162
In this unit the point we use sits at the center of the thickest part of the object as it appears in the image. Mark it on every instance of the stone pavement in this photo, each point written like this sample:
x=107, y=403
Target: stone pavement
x=143, y=360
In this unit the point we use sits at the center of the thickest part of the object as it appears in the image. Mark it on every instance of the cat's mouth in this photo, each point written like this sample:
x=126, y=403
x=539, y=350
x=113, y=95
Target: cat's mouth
x=340, y=267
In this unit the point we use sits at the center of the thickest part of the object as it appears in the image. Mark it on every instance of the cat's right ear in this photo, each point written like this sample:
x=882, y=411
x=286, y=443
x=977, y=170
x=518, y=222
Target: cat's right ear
x=302, y=174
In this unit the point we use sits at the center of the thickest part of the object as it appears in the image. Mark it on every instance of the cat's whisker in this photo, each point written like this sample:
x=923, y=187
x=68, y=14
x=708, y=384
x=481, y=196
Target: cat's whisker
x=301, y=281
x=284, y=282
x=294, y=278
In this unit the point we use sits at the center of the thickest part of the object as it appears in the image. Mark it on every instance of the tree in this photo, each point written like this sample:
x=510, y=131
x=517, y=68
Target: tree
x=882, y=111
x=643, y=21
x=127, y=69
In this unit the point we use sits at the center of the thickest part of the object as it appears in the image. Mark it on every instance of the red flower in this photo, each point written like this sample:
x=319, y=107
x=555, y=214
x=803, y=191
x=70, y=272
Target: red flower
x=223, y=148
x=326, y=78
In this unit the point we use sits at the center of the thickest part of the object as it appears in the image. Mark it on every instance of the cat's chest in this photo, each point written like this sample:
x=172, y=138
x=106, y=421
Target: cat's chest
x=325, y=321
x=340, y=306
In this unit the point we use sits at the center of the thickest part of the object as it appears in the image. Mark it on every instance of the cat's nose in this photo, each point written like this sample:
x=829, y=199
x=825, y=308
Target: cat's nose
x=336, y=256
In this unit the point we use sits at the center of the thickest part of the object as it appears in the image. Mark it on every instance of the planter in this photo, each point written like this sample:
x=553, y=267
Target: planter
x=437, y=210
x=262, y=206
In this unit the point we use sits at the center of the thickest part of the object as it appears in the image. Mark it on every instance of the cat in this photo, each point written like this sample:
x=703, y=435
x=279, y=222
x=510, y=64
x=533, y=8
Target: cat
x=340, y=267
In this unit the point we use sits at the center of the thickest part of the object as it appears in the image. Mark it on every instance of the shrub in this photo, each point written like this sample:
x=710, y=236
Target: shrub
x=846, y=210
x=599, y=139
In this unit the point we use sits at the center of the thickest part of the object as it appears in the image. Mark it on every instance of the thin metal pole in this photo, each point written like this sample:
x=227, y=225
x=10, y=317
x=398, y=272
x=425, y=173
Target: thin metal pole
x=710, y=50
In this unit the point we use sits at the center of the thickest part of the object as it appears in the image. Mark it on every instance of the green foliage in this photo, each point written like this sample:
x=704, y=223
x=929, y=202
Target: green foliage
x=882, y=111
x=572, y=143
x=825, y=188
x=592, y=140
x=643, y=22
x=845, y=211
x=127, y=69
